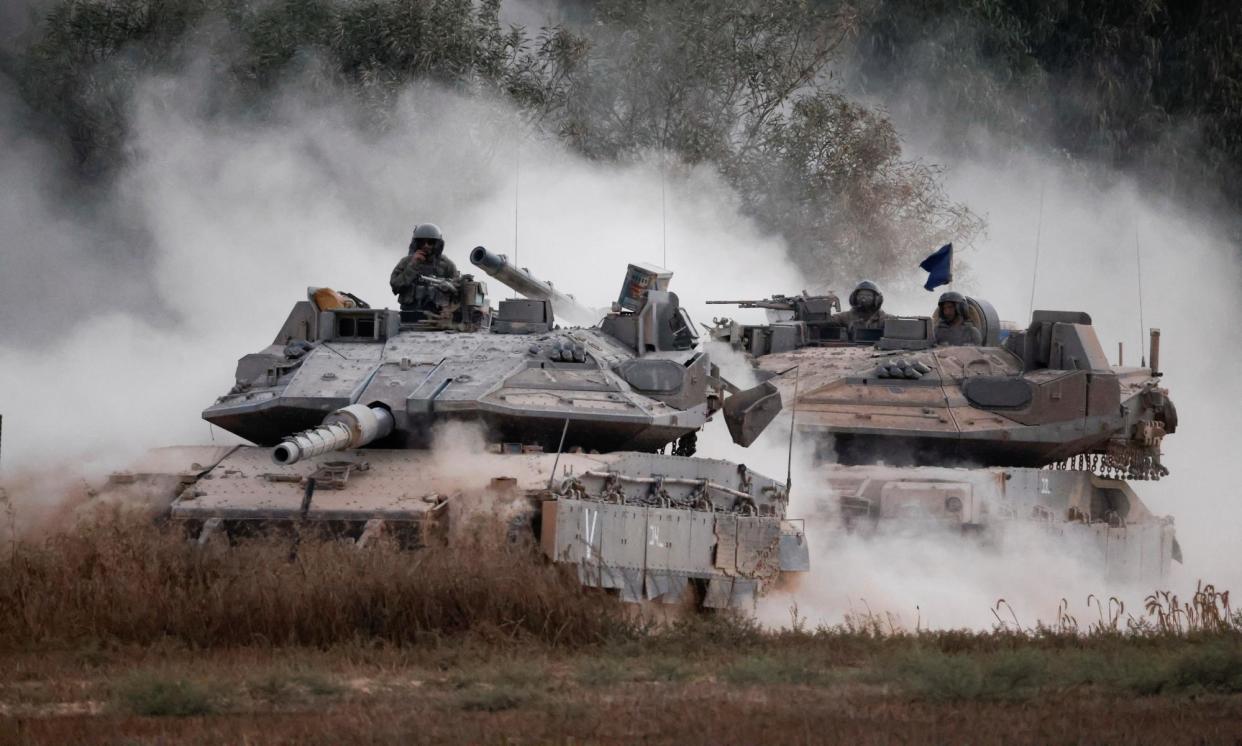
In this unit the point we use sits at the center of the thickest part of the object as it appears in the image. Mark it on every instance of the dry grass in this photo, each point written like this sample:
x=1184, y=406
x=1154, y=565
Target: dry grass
x=121, y=581
x=125, y=633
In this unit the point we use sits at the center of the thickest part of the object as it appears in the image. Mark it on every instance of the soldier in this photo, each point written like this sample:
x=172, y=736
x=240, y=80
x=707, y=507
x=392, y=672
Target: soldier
x=954, y=328
x=425, y=259
x=864, y=311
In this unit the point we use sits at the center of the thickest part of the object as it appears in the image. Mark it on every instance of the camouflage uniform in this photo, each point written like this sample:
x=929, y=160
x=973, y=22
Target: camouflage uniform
x=862, y=316
x=857, y=318
x=413, y=295
x=961, y=332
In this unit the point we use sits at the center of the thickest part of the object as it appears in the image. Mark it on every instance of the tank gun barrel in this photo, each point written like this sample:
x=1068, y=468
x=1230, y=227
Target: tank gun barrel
x=349, y=427
x=498, y=266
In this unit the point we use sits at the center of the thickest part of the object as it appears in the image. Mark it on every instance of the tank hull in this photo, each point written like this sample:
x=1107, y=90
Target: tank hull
x=1102, y=522
x=649, y=527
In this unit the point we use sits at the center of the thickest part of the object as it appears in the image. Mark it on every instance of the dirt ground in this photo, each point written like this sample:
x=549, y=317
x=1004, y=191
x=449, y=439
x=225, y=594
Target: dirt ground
x=612, y=695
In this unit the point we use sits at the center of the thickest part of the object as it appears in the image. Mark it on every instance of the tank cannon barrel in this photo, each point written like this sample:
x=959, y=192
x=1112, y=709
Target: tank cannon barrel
x=349, y=427
x=526, y=284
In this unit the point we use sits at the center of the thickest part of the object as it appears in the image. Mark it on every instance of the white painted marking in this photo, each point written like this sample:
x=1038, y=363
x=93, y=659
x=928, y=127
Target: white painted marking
x=590, y=521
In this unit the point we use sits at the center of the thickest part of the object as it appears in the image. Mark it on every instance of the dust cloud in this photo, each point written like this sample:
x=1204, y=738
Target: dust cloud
x=235, y=216
x=1096, y=228
x=125, y=313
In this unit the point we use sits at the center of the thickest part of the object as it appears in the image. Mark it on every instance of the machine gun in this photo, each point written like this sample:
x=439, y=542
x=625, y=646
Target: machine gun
x=805, y=307
x=522, y=281
x=439, y=283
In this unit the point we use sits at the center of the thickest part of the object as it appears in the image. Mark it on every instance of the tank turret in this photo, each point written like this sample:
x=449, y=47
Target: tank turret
x=1045, y=395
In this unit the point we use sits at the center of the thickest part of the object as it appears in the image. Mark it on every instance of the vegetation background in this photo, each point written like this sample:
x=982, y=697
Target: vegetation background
x=777, y=96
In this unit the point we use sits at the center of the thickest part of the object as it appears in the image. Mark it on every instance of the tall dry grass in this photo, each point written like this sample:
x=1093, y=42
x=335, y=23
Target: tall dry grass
x=124, y=580
x=131, y=582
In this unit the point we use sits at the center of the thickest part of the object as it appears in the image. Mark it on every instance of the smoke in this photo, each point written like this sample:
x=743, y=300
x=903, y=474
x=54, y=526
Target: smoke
x=242, y=212
x=1075, y=234
x=1093, y=235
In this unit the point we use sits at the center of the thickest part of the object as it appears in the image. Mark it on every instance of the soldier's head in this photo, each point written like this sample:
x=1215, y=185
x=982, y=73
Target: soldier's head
x=866, y=297
x=428, y=239
x=952, y=307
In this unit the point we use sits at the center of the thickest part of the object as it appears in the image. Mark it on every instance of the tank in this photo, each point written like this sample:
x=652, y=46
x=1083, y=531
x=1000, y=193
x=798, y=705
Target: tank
x=580, y=437
x=1034, y=425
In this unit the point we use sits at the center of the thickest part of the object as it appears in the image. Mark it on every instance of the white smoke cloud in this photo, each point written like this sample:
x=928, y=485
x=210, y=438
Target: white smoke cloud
x=1093, y=230
x=1087, y=261
x=242, y=214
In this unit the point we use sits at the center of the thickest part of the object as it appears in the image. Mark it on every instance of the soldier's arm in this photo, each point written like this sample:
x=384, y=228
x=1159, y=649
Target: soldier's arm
x=976, y=337
x=448, y=269
x=403, y=275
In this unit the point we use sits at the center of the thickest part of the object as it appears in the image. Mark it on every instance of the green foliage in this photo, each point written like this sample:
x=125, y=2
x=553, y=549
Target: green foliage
x=767, y=670
x=1006, y=675
x=154, y=696
x=1119, y=80
x=1215, y=667
x=740, y=85
x=604, y=672
x=494, y=699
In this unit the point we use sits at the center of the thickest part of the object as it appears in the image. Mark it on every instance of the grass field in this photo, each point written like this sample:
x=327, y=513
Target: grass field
x=120, y=633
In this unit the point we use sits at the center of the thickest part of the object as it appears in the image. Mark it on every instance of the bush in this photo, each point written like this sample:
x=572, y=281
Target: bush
x=765, y=670
x=152, y=696
x=495, y=699
x=1214, y=667
x=938, y=676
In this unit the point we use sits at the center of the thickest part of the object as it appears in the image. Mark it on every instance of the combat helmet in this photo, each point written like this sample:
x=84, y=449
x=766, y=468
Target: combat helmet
x=429, y=231
x=956, y=299
x=867, y=285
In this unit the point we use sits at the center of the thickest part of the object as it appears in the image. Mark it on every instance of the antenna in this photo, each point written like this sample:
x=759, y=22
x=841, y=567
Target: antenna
x=559, y=448
x=1138, y=260
x=1039, y=226
x=793, y=421
x=663, y=211
x=517, y=179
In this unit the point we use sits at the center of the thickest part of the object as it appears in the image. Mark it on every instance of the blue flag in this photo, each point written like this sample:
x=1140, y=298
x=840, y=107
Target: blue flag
x=939, y=267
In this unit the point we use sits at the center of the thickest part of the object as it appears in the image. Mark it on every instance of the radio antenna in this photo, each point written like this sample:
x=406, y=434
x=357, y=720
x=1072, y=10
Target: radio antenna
x=559, y=449
x=793, y=421
x=517, y=180
x=663, y=210
x=1138, y=260
x=1039, y=226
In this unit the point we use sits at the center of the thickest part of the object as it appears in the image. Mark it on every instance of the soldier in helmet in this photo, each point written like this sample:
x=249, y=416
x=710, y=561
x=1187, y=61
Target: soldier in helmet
x=954, y=328
x=864, y=311
x=425, y=259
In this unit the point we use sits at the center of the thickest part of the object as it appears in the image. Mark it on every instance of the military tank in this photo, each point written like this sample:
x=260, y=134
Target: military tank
x=1033, y=426
x=565, y=436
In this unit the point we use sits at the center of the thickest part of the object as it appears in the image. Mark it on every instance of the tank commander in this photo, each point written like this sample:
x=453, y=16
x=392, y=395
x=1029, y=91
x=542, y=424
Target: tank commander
x=864, y=311
x=954, y=328
x=425, y=259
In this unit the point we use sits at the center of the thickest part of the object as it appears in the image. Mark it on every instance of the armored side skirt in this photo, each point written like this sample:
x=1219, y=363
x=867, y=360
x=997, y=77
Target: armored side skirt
x=656, y=553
